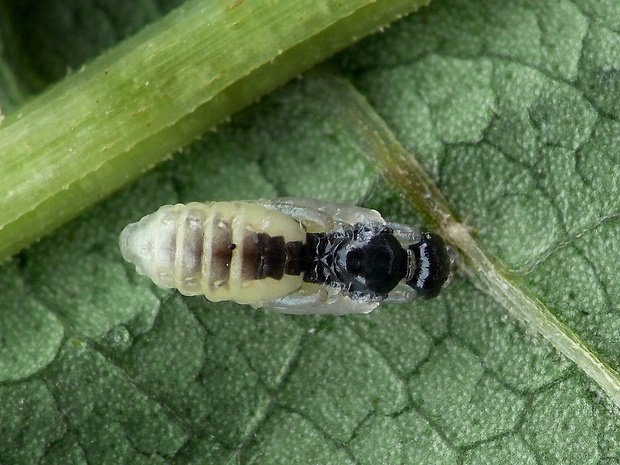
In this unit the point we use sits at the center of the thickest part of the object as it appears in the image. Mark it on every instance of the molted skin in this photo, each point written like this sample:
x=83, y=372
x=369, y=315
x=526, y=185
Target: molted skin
x=291, y=255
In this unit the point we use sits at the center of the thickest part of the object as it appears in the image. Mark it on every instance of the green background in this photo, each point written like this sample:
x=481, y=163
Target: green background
x=513, y=108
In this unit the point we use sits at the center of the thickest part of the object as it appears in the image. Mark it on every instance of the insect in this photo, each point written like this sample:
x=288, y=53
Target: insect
x=292, y=255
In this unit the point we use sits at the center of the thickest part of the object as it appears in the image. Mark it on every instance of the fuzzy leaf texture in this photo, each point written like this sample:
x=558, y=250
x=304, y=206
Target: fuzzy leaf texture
x=513, y=110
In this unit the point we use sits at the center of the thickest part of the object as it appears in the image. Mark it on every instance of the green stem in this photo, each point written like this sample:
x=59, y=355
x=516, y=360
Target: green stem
x=103, y=126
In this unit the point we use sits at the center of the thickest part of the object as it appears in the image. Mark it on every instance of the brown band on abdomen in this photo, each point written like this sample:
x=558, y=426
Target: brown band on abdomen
x=263, y=256
x=295, y=258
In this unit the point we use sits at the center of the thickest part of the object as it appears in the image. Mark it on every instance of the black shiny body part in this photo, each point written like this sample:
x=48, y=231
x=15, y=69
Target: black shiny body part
x=363, y=261
x=432, y=266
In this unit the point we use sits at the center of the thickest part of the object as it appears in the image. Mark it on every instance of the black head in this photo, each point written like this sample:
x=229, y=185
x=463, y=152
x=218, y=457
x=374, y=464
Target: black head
x=431, y=268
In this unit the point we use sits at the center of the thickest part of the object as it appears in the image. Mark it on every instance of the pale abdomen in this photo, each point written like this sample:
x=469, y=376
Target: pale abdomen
x=214, y=249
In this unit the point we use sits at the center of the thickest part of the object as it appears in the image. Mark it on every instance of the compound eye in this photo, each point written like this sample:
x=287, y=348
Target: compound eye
x=432, y=266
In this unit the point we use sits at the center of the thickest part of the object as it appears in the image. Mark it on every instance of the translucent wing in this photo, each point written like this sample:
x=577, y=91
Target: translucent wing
x=318, y=216
x=312, y=299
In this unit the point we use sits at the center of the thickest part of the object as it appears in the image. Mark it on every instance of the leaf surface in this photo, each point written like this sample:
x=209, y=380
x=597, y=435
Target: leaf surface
x=512, y=109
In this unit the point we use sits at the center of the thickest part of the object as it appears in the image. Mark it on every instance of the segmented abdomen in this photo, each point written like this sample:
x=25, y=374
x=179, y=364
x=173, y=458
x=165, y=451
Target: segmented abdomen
x=215, y=249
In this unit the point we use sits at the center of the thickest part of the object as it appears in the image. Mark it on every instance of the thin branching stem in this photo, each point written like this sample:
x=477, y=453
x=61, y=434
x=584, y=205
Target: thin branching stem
x=402, y=170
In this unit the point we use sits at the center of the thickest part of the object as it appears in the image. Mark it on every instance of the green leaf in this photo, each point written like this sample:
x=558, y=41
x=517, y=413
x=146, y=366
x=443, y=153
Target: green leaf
x=512, y=110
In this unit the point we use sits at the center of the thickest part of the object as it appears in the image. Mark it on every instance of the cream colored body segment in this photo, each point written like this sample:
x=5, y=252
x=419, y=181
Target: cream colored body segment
x=203, y=248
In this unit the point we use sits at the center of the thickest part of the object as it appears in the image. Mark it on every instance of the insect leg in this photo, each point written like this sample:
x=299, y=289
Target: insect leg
x=404, y=233
x=401, y=294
